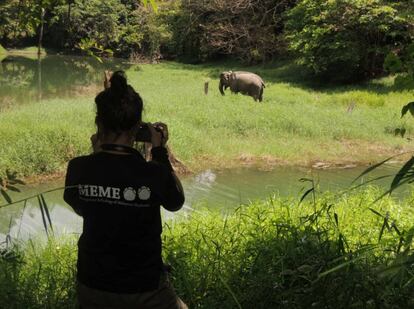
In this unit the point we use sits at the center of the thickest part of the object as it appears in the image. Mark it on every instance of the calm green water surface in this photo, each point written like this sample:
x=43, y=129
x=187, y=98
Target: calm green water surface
x=28, y=79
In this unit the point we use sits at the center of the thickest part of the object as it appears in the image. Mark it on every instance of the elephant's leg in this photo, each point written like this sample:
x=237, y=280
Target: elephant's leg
x=261, y=95
x=254, y=94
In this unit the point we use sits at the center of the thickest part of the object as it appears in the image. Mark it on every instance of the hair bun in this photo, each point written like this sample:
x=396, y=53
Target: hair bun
x=119, y=83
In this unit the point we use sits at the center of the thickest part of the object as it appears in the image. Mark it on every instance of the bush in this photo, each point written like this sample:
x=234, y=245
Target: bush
x=248, y=30
x=344, y=40
x=403, y=63
x=125, y=27
x=268, y=254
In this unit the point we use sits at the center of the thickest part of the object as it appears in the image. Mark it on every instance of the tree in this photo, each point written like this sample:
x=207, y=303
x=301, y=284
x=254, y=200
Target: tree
x=345, y=40
x=250, y=30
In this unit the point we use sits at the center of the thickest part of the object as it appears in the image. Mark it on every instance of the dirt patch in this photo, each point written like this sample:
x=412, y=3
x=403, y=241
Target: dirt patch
x=352, y=154
x=44, y=178
x=367, y=153
x=81, y=90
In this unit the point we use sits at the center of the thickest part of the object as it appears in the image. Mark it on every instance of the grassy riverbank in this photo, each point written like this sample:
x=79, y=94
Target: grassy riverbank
x=298, y=123
x=3, y=51
x=269, y=254
x=28, y=51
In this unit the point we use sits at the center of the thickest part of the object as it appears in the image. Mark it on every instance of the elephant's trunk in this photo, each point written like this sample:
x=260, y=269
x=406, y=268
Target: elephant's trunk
x=221, y=85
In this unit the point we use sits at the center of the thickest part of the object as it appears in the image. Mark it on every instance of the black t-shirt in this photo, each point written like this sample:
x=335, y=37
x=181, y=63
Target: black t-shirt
x=119, y=198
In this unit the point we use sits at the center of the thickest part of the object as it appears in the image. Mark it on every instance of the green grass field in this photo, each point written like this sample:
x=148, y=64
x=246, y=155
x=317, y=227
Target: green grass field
x=298, y=123
x=3, y=51
x=28, y=50
x=274, y=253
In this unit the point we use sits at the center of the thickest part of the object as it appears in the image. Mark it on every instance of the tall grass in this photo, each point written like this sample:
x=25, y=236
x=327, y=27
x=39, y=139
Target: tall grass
x=40, y=138
x=298, y=123
x=41, y=276
x=274, y=253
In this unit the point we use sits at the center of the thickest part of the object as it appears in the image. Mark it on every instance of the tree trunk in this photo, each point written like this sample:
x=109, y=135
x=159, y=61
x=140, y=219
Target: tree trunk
x=42, y=20
x=68, y=27
x=69, y=9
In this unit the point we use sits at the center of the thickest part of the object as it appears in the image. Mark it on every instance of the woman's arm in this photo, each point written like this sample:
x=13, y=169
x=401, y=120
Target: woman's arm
x=174, y=193
x=174, y=198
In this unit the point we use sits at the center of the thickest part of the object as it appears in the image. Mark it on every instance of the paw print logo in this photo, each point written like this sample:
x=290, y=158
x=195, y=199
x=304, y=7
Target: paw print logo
x=144, y=193
x=129, y=194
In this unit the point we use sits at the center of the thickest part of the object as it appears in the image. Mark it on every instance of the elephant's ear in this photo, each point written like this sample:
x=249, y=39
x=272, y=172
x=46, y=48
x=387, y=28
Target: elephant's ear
x=224, y=76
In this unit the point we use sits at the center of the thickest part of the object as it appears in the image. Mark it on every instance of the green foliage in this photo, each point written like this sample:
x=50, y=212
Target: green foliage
x=267, y=254
x=126, y=28
x=343, y=40
x=393, y=63
x=12, y=26
x=39, y=276
x=277, y=254
x=93, y=49
x=406, y=174
x=402, y=63
x=340, y=40
x=95, y=21
x=118, y=26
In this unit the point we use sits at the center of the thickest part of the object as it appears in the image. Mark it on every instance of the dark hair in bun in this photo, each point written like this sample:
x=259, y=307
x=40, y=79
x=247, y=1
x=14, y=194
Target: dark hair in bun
x=119, y=107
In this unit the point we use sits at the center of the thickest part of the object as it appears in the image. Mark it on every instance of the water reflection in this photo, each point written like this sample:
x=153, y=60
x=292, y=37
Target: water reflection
x=25, y=80
x=27, y=222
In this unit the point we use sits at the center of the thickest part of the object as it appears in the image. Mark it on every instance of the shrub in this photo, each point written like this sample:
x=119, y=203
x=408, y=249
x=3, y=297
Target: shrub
x=248, y=30
x=125, y=27
x=268, y=254
x=402, y=61
x=344, y=40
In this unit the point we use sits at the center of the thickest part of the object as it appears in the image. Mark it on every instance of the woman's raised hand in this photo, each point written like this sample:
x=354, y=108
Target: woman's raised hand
x=159, y=134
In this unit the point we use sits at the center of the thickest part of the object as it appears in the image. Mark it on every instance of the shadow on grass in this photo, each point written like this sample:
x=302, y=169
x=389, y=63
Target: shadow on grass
x=287, y=71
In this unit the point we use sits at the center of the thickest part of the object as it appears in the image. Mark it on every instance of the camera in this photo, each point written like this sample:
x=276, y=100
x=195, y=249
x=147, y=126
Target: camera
x=144, y=133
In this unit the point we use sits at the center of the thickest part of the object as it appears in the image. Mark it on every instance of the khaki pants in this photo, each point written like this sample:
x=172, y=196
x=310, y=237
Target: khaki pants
x=162, y=298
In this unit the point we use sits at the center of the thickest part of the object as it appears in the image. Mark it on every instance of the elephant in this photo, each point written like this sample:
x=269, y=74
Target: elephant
x=245, y=82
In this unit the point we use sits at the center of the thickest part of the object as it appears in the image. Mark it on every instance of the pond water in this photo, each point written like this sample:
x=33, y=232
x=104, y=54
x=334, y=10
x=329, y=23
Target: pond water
x=219, y=190
x=26, y=79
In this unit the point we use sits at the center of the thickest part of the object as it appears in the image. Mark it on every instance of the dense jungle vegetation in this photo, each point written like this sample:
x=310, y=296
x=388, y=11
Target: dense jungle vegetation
x=343, y=40
x=347, y=249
